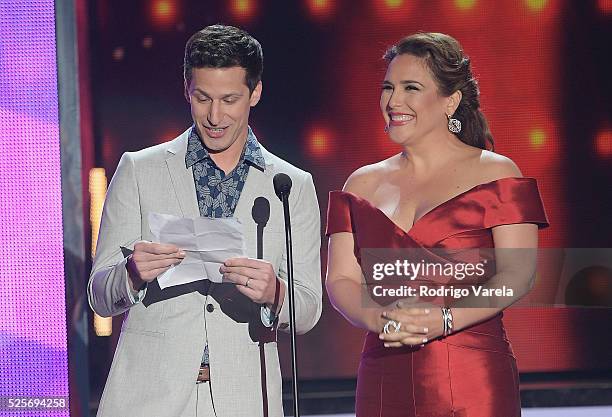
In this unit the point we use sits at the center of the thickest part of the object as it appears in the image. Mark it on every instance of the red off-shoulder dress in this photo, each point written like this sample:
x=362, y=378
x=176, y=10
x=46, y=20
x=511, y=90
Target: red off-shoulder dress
x=471, y=373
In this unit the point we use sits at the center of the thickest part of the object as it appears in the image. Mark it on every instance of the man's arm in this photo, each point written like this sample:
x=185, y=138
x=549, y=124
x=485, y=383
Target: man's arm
x=306, y=233
x=257, y=279
x=108, y=290
x=118, y=280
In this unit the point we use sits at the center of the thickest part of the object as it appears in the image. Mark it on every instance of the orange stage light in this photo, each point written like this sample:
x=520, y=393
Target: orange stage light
x=164, y=13
x=394, y=11
x=603, y=143
x=97, y=192
x=537, y=138
x=465, y=4
x=103, y=326
x=321, y=9
x=536, y=5
x=319, y=141
x=243, y=11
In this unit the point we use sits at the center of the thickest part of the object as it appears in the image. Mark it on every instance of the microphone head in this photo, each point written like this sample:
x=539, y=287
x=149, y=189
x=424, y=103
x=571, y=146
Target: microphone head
x=282, y=185
x=261, y=211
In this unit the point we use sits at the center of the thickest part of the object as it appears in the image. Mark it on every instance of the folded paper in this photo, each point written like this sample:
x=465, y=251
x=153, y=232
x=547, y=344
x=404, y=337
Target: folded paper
x=207, y=243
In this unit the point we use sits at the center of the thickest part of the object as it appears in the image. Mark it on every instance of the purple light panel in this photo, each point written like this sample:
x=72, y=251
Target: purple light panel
x=33, y=351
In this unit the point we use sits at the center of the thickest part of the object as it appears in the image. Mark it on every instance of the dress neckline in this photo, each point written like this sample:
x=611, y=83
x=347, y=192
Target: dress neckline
x=430, y=212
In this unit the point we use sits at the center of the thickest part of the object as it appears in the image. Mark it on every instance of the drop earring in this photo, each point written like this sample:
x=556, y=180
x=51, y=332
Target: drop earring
x=454, y=125
x=386, y=128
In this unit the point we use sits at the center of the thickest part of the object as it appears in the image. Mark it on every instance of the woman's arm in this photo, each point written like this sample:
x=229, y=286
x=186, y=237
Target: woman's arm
x=344, y=282
x=346, y=286
x=515, y=258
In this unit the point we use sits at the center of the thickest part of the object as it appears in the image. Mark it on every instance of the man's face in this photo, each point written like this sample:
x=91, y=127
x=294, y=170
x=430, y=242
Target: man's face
x=220, y=105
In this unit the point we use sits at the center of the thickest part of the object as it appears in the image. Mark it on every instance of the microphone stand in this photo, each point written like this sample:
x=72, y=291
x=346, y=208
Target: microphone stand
x=288, y=241
x=261, y=214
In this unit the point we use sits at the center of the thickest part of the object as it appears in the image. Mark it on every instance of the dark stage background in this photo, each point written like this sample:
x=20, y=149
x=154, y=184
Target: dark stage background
x=544, y=72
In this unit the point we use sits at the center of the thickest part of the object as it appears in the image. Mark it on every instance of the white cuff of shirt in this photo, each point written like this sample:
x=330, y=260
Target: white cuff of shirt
x=135, y=296
x=267, y=317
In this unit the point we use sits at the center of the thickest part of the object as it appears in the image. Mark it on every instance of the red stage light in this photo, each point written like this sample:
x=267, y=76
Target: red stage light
x=163, y=13
x=319, y=141
x=603, y=143
x=109, y=149
x=243, y=10
x=604, y=6
x=321, y=9
x=168, y=133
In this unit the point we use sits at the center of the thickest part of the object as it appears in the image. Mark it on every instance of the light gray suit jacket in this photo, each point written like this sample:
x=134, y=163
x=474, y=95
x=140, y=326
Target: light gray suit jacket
x=160, y=347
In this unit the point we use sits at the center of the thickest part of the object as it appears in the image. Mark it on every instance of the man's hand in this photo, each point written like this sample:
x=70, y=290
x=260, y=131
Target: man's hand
x=254, y=278
x=149, y=260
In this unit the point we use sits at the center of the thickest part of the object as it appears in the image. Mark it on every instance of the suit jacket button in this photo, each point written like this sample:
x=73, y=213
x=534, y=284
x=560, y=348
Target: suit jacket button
x=210, y=308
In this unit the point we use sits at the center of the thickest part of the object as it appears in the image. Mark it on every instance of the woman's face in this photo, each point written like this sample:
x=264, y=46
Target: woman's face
x=410, y=101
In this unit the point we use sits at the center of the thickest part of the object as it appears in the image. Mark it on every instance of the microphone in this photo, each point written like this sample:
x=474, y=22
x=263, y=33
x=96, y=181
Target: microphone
x=282, y=188
x=261, y=214
x=261, y=211
x=282, y=185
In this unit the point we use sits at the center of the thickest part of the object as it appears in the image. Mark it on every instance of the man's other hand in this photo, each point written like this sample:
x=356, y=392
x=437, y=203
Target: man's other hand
x=254, y=278
x=149, y=260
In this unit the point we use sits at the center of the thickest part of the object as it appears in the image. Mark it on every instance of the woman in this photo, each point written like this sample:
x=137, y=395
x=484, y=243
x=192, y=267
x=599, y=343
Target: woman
x=444, y=190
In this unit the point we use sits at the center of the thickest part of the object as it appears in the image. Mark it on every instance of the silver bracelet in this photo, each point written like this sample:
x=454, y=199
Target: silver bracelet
x=447, y=321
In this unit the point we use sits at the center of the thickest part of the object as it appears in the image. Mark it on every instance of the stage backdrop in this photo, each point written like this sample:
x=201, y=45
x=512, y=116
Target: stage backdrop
x=33, y=351
x=542, y=91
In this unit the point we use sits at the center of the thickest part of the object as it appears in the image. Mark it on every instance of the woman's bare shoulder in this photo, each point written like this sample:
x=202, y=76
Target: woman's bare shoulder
x=493, y=166
x=363, y=181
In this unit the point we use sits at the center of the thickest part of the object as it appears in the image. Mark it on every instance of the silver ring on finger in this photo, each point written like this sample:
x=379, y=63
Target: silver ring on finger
x=392, y=323
x=246, y=284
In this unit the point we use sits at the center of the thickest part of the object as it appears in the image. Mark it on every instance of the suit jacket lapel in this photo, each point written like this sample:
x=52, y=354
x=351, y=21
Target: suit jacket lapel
x=184, y=189
x=182, y=177
x=254, y=187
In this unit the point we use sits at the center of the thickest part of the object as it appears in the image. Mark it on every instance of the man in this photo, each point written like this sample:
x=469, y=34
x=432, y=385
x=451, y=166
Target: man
x=205, y=349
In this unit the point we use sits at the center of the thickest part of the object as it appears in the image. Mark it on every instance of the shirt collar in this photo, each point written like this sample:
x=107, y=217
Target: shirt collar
x=196, y=152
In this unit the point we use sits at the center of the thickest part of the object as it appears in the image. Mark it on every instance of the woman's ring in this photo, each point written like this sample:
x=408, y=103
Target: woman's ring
x=392, y=323
x=246, y=284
